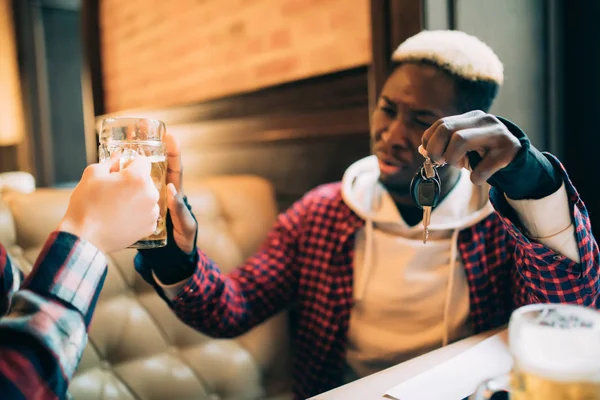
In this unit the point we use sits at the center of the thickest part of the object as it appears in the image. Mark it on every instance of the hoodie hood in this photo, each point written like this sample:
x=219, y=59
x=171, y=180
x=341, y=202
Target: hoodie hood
x=465, y=205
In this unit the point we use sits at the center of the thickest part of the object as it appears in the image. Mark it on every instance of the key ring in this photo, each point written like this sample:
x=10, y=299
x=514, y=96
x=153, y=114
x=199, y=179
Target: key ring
x=429, y=169
x=423, y=152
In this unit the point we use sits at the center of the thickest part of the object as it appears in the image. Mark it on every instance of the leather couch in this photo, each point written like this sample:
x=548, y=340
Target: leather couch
x=137, y=348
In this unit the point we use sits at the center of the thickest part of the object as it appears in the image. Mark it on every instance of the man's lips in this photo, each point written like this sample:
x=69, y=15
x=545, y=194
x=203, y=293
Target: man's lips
x=389, y=165
x=388, y=169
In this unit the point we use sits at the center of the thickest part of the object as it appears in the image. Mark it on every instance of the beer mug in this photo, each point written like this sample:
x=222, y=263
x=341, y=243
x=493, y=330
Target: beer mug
x=556, y=355
x=127, y=138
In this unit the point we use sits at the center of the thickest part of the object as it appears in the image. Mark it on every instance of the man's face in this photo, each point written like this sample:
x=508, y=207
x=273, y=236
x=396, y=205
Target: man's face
x=412, y=99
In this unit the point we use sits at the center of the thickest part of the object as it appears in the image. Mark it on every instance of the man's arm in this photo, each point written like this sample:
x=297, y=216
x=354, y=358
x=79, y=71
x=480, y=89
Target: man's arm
x=227, y=305
x=549, y=221
x=534, y=187
x=556, y=256
x=44, y=334
x=10, y=280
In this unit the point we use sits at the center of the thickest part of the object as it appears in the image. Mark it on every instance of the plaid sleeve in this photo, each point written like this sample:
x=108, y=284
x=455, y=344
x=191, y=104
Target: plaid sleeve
x=227, y=305
x=10, y=280
x=44, y=334
x=543, y=275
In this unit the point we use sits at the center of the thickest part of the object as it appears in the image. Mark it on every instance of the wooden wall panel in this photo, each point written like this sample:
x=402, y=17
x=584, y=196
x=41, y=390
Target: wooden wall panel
x=392, y=22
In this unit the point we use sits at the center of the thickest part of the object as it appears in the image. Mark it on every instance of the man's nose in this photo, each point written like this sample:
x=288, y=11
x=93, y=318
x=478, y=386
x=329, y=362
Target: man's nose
x=395, y=135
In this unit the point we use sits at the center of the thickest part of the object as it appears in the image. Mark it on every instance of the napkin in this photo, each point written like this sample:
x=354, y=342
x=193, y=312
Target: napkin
x=458, y=377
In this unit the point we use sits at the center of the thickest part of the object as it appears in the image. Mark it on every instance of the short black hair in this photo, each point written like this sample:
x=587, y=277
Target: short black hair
x=471, y=94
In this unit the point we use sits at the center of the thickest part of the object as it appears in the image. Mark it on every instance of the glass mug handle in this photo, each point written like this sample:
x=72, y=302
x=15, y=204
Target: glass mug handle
x=493, y=389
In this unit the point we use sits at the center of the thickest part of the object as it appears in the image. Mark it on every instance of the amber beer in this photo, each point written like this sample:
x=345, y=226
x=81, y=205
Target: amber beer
x=158, y=171
x=529, y=386
x=159, y=176
x=128, y=137
x=556, y=354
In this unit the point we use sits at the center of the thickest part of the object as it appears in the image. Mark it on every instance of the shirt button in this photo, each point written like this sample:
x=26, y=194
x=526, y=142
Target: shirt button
x=558, y=258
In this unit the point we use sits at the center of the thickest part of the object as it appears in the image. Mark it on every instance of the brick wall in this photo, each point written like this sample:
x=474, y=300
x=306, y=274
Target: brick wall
x=158, y=53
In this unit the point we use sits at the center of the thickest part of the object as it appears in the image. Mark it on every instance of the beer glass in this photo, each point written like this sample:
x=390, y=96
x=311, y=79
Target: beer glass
x=556, y=355
x=127, y=138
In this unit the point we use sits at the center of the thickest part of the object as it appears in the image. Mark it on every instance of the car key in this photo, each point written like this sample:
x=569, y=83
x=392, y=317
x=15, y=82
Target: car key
x=428, y=192
x=425, y=190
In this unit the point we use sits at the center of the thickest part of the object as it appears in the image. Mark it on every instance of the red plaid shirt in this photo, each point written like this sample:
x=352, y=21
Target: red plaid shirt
x=44, y=333
x=306, y=265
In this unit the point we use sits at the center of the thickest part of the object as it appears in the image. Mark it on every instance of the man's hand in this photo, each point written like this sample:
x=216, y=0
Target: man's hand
x=184, y=224
x=177, y=260
x=113, y=209
x=449, y=139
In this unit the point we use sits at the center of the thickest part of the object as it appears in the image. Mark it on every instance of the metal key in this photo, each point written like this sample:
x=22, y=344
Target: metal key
x=428, y=169
x=428, y=192
x=425, y=189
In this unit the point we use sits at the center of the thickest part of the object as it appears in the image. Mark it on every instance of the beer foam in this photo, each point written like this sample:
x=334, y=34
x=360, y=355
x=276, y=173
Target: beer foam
x=157, y=158
x=153, y=158
x=562, y=343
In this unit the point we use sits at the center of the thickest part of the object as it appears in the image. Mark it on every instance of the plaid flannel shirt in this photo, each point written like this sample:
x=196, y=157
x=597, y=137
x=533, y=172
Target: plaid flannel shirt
x=306, y=265
x=45, y=331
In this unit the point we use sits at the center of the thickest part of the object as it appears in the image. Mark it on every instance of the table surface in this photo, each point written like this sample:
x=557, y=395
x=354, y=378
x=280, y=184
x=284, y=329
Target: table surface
x=373, y=387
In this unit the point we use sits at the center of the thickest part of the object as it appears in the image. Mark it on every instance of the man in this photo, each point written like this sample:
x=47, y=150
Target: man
x=348, y=258
x=45, y=331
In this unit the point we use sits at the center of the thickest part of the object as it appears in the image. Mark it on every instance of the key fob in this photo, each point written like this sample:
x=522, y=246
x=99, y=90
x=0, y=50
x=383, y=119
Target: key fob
x=425, y=192
x=428, y=192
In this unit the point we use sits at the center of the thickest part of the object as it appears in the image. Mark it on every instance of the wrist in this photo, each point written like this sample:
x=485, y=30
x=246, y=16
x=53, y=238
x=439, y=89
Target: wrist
x=530, y=175
x=173, y=263
x=171, y=268
x=79, y=229
x=189, y=246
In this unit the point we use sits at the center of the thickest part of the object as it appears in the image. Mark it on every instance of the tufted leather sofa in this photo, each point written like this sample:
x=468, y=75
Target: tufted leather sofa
x=137, y=349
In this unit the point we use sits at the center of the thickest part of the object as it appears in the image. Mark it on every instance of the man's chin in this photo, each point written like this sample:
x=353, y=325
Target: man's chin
x=396, y=184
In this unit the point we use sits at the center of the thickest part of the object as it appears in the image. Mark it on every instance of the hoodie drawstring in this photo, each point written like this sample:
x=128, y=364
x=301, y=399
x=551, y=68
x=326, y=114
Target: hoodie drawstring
x=368, y=262
x=453, y=254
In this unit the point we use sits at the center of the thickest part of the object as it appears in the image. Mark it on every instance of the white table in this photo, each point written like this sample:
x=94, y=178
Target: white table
x=373, y=387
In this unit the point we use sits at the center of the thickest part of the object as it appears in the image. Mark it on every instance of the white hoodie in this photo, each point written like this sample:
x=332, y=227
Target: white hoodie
x=410, y=297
